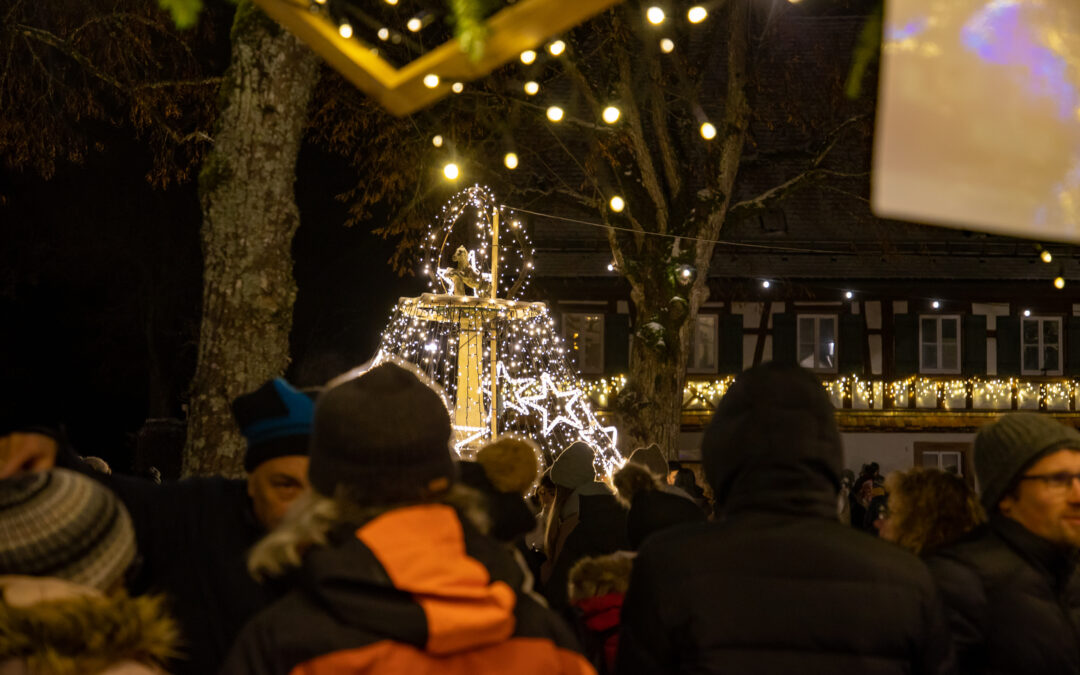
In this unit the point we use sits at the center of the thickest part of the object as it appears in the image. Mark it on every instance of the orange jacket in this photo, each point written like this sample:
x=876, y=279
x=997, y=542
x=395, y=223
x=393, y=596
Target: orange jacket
x=413, y=591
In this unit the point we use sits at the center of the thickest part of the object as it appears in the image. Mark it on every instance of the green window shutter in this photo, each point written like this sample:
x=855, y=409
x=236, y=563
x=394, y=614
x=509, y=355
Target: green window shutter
x=974, y=344
x=1008, y=346
x=784, y=338
x=850, y=347
x=731, y=344
x=616, y=343
x=1072, y=346
x=905, y=345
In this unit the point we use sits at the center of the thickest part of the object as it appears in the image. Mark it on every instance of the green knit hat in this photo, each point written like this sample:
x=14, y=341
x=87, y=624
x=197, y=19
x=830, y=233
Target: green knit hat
x=1003, y=448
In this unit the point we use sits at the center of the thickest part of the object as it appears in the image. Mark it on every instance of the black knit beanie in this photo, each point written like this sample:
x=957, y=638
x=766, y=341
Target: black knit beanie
x=382, y=432
x=276, y=421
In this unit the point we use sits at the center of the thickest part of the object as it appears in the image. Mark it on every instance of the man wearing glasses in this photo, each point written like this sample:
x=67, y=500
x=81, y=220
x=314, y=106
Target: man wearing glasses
x=1011, y=586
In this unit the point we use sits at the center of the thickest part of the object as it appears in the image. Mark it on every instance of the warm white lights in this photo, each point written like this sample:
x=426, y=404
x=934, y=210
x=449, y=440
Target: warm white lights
x=686, y=273
x=611, y=114
x=1046, y=257
x=415, y=24
x=1059, y=283
x=1027, y=312
x=765, y=284
x=611, y=267
x=457, y=87
x=436, y=140
x=320, y=2
x=391, y=2
x=510, y=160
x=531, y=88
x=697, y=14
x=451, y=171
x=528, y=56
x=617, y=204
x=708, y=131
x=935, y=304
x=384, y=34
x=345, y=30
x=431, y=80
x=667, y=45
x=556, y=48
x=849, y=295
x=555, y=113
x=655, y=15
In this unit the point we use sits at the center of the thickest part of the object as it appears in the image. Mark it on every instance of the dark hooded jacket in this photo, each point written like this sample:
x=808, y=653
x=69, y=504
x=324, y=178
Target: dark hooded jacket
x=777, y=584
x=413, y=591
x=1013, y=600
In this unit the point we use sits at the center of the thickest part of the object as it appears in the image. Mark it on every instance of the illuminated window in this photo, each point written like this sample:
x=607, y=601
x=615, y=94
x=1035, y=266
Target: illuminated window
x=1041, y=345
x=583, y=335
x=939, y=344
x=817, y=342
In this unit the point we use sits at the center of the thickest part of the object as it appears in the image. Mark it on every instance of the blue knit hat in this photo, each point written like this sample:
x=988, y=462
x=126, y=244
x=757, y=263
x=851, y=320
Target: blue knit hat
x=276, y=421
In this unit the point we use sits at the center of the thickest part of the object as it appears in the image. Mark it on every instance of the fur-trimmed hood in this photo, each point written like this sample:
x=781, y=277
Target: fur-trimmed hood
x=48, y=626
x=600, y=575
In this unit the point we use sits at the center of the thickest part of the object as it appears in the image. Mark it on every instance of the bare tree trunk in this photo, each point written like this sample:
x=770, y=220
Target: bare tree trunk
x=249, y=219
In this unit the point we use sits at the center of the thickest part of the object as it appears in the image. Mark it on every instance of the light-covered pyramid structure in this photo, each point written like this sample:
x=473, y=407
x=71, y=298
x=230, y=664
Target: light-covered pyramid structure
x=498, y=359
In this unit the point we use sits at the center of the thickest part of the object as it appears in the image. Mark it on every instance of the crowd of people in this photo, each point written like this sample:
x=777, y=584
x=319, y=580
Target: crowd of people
x=360, y=543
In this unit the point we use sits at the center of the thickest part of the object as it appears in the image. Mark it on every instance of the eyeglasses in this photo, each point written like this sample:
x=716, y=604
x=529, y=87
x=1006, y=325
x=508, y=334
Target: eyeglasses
x=1059, y=482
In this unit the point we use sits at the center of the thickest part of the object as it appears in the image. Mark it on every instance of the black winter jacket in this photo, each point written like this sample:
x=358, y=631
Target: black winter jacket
x=1013, y=599
x=778, y=585
x=600, y=529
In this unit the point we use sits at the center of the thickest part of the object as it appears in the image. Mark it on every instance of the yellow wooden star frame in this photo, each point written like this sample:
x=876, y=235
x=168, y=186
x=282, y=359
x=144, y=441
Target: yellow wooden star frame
x=524, y=25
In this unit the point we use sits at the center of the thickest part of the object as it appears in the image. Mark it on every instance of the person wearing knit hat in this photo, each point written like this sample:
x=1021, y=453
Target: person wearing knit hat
x=394, y=575
x=66, y=543
x=193, y=535
x=1012, y=586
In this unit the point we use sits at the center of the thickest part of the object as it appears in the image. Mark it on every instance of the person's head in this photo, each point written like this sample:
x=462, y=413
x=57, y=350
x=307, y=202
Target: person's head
x=1028, y=467
x=847, y=479
x=673, y=468
x=275, y=419
x=575, y=466
x=503, y=472
x=652, y=458
x=651, y=507
x=772, y=439
x=928, y=509
x=62, y=524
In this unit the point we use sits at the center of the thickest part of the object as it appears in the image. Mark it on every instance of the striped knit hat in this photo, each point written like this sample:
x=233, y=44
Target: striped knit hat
x=62, y=524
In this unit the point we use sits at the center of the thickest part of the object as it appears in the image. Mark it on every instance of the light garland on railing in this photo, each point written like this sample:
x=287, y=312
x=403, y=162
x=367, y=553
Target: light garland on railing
x=985, y=394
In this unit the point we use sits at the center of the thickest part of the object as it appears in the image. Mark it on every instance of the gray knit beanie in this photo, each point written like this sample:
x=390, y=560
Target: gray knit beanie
x=1003, y=448
x=574, y=466
x=62, y=524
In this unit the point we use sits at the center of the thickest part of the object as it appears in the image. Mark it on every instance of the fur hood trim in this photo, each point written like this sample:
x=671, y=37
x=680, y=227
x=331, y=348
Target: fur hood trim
x=633, y=479
x=600, y=575
x=86, y=634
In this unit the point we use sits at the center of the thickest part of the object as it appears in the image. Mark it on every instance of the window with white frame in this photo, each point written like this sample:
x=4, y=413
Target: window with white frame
x=939, y=344
x=1041, y=345
x=583, y=335
x=704, y=345
x=817, y=342
x=947, y=461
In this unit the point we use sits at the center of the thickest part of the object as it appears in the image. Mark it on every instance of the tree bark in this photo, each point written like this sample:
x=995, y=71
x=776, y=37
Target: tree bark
x=649, y=409
x=249, y=219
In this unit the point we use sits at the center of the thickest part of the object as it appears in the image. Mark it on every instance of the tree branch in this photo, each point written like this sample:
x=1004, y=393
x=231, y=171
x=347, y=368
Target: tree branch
x=778, y=192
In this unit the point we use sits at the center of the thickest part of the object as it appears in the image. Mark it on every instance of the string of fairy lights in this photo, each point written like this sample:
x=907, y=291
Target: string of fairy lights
x=950, y=394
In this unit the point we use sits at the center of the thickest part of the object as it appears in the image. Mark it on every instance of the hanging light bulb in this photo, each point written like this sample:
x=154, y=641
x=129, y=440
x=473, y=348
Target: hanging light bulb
x=451, y=171
x=765, y=284
x=384, y=34
x=415, y=24
x=436, y=140
x=555, y=113
x=457, y=87
x=611, y=114
x=708, y=131
x=697, y=14
x=1027, y=312
x=431, y=80
x=1046, y=257
x=510, y=160
x=936, y=304
x=849, y=295
x=556, y=48
x=345, y=30
x=617, y=204
x=667, y=45
x=655, y=15
x=531, y=88
x=528, y=56
x=1059, y=283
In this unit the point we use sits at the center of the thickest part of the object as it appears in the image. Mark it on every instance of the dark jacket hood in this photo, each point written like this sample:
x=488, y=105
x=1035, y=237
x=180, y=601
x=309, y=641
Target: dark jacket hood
x=773, y=444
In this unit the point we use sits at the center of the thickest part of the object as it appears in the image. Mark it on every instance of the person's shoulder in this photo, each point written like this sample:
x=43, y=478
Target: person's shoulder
x=975, y=547
x=675, y=541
